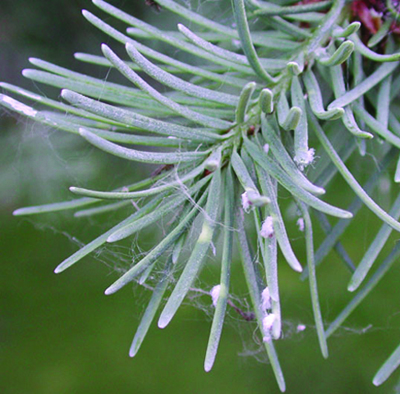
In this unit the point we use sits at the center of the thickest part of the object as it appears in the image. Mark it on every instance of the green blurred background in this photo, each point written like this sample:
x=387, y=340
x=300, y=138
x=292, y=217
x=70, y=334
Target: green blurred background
x=60, y=334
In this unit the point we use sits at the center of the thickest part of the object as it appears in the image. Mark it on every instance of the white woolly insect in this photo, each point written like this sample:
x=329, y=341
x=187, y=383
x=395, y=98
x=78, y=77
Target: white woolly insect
x=268, y=322
x=310, y=155
x=301, y=327
x=246, y=204
x=267, y=228
x=266, y=148
x=300, y=224
x=265, y=299
x=214, y=293
x=306, y=159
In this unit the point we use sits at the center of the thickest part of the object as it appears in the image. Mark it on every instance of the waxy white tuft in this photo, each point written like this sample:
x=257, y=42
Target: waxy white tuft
x=300, y=224
x=305, y=159
x=215, y=294
x=267, y=228
x=268, y=322
x=310, y=155
x=246, y=204
x=301, y=327
x=265, y=299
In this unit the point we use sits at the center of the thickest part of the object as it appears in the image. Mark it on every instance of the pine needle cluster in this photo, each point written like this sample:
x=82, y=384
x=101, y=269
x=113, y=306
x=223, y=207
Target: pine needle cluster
x=229, y=135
